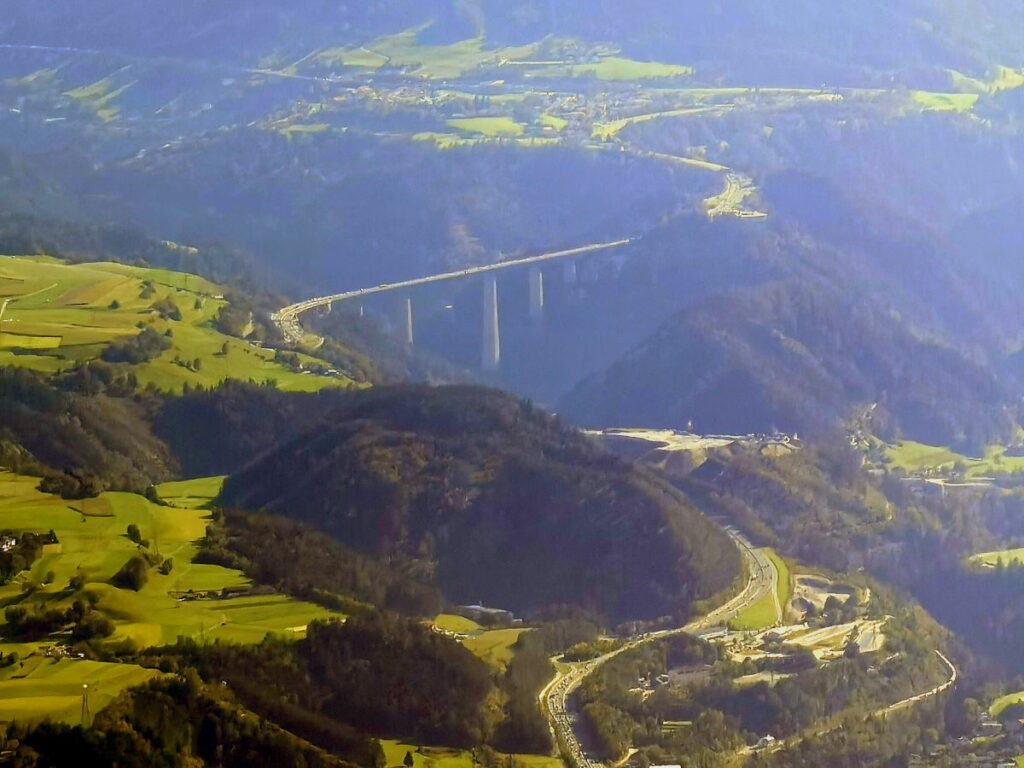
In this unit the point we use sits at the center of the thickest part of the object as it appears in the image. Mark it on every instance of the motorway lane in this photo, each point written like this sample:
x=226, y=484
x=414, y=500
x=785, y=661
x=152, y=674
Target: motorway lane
x=287, y=317
x=554, y=697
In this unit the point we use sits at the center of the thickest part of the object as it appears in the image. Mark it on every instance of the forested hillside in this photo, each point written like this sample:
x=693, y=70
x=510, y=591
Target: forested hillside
x=798, y=357
x=513, y=508
x=84, y=444
x=229, y=541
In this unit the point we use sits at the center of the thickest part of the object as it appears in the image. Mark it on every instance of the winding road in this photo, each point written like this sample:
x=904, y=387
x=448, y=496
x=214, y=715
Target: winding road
x=762, y=578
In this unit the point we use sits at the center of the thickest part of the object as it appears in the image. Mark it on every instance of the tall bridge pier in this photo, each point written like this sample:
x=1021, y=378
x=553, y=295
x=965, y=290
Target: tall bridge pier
x=491, y=352
x=570, y=272
x=536, y=294
x=409, y=338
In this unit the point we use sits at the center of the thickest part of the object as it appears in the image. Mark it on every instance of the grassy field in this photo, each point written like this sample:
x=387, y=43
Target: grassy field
x=459, y=624
x=930, y=101
x=443, y=757
x=455, y=140
x=432, y=62
x=494, y=646
x=616, y=68
x=42, y=687
x=99, y=97
x=784, y=586
x=55, y=314
x=763, y=613
x=608, y=131
x=1005, y=556
x=303, y=129
x=997, y=707
x=190, y=494
x=489, y=126
x=553, y=121
x=756, y=616
x=92, y=544
x=916, y=457
x=1003, y=79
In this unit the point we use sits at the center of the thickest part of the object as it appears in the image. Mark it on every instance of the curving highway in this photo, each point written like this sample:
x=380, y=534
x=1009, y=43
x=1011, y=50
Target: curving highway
x=287, y=317
x=554, y=697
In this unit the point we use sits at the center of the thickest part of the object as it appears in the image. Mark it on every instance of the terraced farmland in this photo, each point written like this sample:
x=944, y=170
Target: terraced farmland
x=93, y=546
x=54, y=315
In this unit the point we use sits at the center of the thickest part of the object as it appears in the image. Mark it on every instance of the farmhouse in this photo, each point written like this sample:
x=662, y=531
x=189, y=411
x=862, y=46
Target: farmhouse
x=484, y=615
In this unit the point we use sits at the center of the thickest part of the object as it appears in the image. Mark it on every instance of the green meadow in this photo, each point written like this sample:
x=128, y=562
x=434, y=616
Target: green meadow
x=455, y=140
x=93, y=545
x=1004, y=557
x=449, y=622
x=445, y=757
x=494, y=646
x=54, y=315
x=1003, y=702
x=99, y=97
x=608, y=131
x=930, y=101
x=431, y=62
x=190, y=494
x=917, y=457
x=762, y=613
x=617, y=68
x=42, y=687
x=489, y=126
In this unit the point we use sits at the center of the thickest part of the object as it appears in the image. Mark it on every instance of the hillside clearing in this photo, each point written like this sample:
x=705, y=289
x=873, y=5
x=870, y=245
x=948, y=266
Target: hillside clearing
x=1002, y=557
x=445, y=757
x=188, y=601
x=914, y=457
x=489, y=126
x=494, y=646
x=52, y=688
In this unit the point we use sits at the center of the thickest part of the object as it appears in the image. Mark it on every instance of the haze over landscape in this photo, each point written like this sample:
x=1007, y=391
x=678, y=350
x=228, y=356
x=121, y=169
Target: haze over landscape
x=520, y=384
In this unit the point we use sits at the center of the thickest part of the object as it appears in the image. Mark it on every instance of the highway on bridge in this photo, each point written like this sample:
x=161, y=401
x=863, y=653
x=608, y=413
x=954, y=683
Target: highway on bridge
x=287, y=317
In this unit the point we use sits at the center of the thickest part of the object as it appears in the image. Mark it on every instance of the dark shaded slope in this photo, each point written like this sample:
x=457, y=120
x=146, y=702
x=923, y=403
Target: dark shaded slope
x=796, y=356
x=514, y=509
x=99, y=441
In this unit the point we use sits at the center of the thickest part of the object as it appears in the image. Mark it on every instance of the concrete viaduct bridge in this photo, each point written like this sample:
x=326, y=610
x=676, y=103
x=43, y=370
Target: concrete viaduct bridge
x=287, y=318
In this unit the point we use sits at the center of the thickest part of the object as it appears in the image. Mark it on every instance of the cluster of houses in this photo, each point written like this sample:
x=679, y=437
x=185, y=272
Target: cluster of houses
x=481, y=614
x=999, y=741
x=60, y=652
x=210, y=594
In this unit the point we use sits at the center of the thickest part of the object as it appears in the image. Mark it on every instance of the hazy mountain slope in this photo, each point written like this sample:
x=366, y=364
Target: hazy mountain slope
x=793, y=39
x=797, y=357
x=516, y=510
